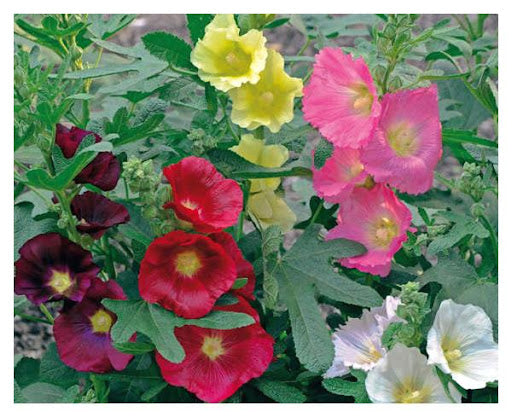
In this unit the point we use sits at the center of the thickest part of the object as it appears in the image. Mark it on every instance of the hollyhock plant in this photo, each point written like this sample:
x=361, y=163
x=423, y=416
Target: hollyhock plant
x=403, y=376
x=244, y=269
x=96, y=213
x=218, y=362
x=407, y=144
x=378, y=220
x=461, y=343
x=201, y=196
x=224, y=58
x=340, y=99
x=341, y=172
x=82, y=332
x=269, y=102
x=269, y=209
x=358, y=343
x=102, y=172
x=255, y=151
x=51, y=267
x=185, y=273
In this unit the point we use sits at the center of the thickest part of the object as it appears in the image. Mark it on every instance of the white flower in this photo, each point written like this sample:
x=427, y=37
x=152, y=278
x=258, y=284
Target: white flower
x=358, y=343
x=460, y=342
x=403, y=376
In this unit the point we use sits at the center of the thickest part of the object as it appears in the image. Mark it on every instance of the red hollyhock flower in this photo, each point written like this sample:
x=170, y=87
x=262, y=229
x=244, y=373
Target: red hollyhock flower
x=96, y=213
x=82, y=332
x=51, y=267
x=185, y=273
x=243, y=267
x=102, y=172
x=218, y=362
x=202, y=196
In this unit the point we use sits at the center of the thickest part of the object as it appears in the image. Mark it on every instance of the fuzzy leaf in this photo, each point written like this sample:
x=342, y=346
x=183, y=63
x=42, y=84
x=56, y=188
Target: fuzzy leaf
x=196, y=24
x=279, y=391
x=170, y=48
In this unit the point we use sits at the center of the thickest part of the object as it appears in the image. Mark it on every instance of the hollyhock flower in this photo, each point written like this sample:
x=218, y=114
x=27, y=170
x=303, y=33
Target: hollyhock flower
x=378, y=220
x=224, y=58
x=340, y=99
x=102, y=172
x=358, y=343
x=269, y=102
x=461, y=343
x=255, y=151
x=202, y=196
x=269, y=209
x=51, y=267
x=403, y=376
x=341, y=172
x=218, y=362
x=185, y=273
x=96, y=213
x=407, y=144
x=244, y=269
x=82, y=332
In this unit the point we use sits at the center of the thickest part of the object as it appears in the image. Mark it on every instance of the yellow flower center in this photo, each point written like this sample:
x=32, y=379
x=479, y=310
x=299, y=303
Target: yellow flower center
x=101, y=321
x=189, y=204
x=267, y=98
x=452, y=353
x=372, y=355
x=383, y=232
x=402, y=139
x=354, y=171
x=362, y=99
x=60, y=281
x=187, y=263
x=237, y=61
x=408, y=392
x=83, y=222
x=212, y=347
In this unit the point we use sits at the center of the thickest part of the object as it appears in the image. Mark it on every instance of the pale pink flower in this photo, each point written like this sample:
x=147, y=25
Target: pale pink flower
x=378, y=220
x=341, y=172
x=407, y=143
x=340, y=99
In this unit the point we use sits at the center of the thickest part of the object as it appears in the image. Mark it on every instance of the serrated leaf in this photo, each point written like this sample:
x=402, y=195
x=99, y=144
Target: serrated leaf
x=47, y=393
x=54, y=371
x=339, y=386
x=323, y=151
x=170, y=48
x=279, y=391
x=196, y=24
x=272, y=238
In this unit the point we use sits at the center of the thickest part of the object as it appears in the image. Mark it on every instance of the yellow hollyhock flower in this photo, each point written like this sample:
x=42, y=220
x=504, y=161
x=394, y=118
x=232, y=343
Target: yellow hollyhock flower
x=225, y=59
x=269, y=102
x=269, y=209
x=255, y=151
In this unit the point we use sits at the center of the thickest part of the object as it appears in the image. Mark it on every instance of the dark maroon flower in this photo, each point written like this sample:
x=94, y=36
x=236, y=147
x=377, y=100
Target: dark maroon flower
x=82, y=332
x=102, y=172
x=51, y=267
x=96, y=213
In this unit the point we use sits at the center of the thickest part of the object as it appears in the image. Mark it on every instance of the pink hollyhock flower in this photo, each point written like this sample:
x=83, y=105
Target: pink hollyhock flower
x=218, y=362
x=340, y=99
x=82, y=332
x=51, y=267
x=185, y=273
x=378, y=220
x=407, y=144
x=244, y=269
x=102, y=172
x=96, y=213
x=341, y=172
x=202, y=196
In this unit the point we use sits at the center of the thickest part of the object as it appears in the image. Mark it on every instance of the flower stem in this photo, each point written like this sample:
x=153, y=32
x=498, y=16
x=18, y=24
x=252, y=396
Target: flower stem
x=47, y=313
x=33, y=318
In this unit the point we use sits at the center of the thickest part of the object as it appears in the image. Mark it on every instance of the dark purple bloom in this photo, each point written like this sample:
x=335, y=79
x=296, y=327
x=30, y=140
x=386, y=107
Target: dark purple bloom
x=51, y=267
x=102, y=172
x=82, y=332
x=96, y=213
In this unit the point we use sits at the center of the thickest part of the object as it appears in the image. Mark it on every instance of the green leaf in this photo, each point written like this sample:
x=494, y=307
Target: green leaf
x=272, y=238
x=220, y=320
x=302, y=272
x=170, y=48
x=343, y=387
x=103, y=28
x=54, y=371
x=26, y=371
x=47, y=393
x=466, y=137
x=135, y=348
x=196, y=24
x=239, y=283
x=323, y=151
x=276, y=23
x=153, y=391
x=279, y=391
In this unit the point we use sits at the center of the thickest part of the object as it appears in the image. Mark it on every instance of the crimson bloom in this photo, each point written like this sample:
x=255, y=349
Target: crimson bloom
x=407, y=144
x=96, y=213
x=51, y=267
x=102, y=172
x=378, y=220
x=218, y=362
x=244, y=269
x=202, y=196
x=82, y=332
x=340, y=99
x=185, y=273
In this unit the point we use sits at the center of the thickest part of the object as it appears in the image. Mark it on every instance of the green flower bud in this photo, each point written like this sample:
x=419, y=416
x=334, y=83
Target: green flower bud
x=478, y=209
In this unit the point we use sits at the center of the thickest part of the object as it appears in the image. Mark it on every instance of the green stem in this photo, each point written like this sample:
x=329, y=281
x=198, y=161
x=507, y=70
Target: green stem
x=33, y=318
x=182, y=71
x=109, y=264
x=315, y=215
x=492, y=236
x=65, y=204
x=46, y=313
